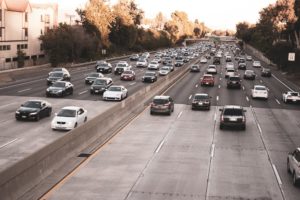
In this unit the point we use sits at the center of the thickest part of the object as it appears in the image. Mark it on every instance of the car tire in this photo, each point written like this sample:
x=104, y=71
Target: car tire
x=244, y=127
x=295, y=180
x=151, y=113
x=221, y=126
x=75, y=125
x=288, y=166
x=170, y=112
x=37, y=118
x=85, y=119
x=49, y=112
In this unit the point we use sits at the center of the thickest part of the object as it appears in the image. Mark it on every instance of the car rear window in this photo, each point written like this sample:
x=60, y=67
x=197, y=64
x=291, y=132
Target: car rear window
x=234, y=78
x=233, y=112
x=160, y=101
x=200, y=97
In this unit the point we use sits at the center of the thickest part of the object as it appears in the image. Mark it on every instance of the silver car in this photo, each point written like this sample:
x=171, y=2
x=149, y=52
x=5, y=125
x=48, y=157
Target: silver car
x=293, y=165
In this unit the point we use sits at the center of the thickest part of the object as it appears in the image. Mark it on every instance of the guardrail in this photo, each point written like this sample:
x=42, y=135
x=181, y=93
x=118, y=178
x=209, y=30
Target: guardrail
x=29, y=172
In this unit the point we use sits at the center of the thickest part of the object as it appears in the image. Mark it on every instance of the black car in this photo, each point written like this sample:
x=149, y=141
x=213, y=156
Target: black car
x=234, y=82
x=217, y=61
x=162, y=104
x=266, y=72
x=233, y=116
x=100, y=85
x=242, y=66
x=104, y=67
x=57, y=76
x=60, y=89
x=134, y=57
x=201, y=101
x=149, y=77
x=242, y=60
x=249, y=74
x=91, y=77
x=195, y=68
x=33, y=110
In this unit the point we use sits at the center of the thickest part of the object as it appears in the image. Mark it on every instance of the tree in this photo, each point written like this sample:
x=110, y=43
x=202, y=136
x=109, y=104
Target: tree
x=20, y=58
x=159, y=21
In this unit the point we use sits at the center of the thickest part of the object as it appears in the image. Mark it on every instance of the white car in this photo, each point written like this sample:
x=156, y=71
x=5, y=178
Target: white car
x=230, y=72
x=249, y=58
x=203, y=60
x=229, y=65
x=291, y=96
x=115, y=92
x=211, y=69
x=153, y=65
x=293, y=165
x=259, y=91
x=256, y=64
x=122, y=66
x=141, y=63
x=69, y=118
x=164, y=71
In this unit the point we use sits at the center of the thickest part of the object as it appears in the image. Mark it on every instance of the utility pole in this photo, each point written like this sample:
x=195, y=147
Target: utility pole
x=70, y=17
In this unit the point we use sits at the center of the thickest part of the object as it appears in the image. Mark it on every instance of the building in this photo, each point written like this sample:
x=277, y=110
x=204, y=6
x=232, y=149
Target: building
x=21, y=24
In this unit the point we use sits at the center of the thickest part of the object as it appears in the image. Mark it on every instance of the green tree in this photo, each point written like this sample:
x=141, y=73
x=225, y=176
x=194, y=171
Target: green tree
x=20, y=58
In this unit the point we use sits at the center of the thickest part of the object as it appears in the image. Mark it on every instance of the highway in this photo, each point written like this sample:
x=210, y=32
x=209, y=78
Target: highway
x=186, y=156
x=183, y=156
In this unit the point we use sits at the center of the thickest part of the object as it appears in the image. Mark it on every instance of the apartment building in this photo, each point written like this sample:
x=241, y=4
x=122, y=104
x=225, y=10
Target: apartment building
x=21, y=24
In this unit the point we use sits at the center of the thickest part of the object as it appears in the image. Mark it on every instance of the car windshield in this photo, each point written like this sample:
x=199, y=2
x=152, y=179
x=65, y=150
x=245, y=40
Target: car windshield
x=260, y=88
x=114, y=89
x=230, y=70
x=154, y=63
x=200, y=97
x=56, y=74
x=32, y=104
x=121, y=65
x=233, y=112
x=142, y=60
x=127, y=72
x=103, y=65
x=67, y=113
x=58, y=84
x=234, y=78
x=207, y=77
x=100, y=82
x=164, y=68
x=294, y=94
x=160, y=101
x=149, y=74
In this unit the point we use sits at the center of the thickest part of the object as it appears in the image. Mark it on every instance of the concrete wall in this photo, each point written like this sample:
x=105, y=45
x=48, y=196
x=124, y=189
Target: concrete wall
x=257, y=54
x=23, y=176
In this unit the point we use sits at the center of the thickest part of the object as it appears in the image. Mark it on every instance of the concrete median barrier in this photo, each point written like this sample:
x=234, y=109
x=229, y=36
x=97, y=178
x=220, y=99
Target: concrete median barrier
x=20, y=178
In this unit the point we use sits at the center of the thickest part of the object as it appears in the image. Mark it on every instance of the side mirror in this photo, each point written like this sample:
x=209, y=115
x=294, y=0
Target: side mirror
x=221, y=109
x=22, y=105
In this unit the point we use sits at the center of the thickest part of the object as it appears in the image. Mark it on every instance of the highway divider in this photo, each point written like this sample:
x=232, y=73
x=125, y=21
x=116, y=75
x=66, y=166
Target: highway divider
x=25, y=175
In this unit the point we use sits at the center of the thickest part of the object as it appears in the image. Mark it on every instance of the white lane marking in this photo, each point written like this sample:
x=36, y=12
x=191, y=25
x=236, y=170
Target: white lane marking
x=277, y=175
x=159, y=147
x=8, y=143
x=132, y=83
x=179, y=115
x=24, y=90
x=220, y=79
x=7, y=104
x=282, y=83
x=85, y=91
x=217, y=98
x=21, y=84
x=190, y=96
x=219, y=86
x=197, y=85
x=212, y=153
x=277, y=101
x=259, y=128
x=243, y=88
x=247, y=98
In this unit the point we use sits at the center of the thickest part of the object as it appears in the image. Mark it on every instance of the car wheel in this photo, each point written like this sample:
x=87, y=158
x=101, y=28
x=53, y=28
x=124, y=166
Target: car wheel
x=91, y=92
x=49, y=112
x=71, y=92
x=85, y=119
x=170, y=112
x=37, y=118
x=288, y=166
x=244, y=127
x=75, y=125
x=295, y=180
x=151, y=113
x=221, y=126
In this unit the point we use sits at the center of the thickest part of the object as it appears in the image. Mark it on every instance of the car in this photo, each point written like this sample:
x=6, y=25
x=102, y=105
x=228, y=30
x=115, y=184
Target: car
x=201, y=101
x=242, y=66
x=207, y=56
x=230, y=72
x=237, y=58
x=146, y=55
x=179, y=62
x=104, y=67
x=59, y=89
x=186, y=59
x=165, y=60
x=170, y=65
x=134, y=57
x=233, y=116
x=100, y=85
x=153, y=65
x=162, y=104
x=249, y=74
x=33, y=110
x=163, y=71
x=128, y=75
x=99, y=62
x=60, y=69
x=228, y=58
x=256, y=64
x=242, y=60
x=249, y=58
x=115, y=92
x=149, y=77
x=57, y=76
x=291, y=97
x=259, y=91
x=195, y=68
x=211, y=69
x=207, y=80
x=234, y=82
x=217, y=60
x=68, y=118
x=293, y=165
x=203, y=60
x=229, y=65
x=142, y=62
x=266, y=72
x=121, y=66
x=91, y=77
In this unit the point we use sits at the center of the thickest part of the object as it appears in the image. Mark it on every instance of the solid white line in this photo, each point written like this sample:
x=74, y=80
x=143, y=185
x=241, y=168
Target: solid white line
x=132, y=83
x=243, y=88
x=159, y=147
x=190, y=96
x=282, y=83
x=21, y=84
x=277, y=175
x=215, y=117
x=179, y=115
x=277, y=101
x=247, y=98
x=4, y=145
x=212, y=153
x=196, y=85
x=7, y=105
x=82, y=92
x=24, y=90
x=217, y=98
x=259, y=128
x=219, y=86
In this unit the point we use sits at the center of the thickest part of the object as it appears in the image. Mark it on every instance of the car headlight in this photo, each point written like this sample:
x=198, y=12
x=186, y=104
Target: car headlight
x=34, y=113
x=17, y=112
x=47, y=90
x=92, y=87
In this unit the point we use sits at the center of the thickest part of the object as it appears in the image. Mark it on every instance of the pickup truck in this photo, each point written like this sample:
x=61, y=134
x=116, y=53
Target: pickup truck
x=291, y=97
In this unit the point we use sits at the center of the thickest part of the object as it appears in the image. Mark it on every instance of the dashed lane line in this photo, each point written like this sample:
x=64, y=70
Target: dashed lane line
x=82, y=92
x=24, y=90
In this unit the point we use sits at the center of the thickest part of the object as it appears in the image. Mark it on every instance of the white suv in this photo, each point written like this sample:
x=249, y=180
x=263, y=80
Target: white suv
x=293, y=165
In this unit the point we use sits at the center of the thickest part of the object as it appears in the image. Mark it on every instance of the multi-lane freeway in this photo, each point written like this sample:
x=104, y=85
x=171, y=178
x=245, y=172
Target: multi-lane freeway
x=182, y=156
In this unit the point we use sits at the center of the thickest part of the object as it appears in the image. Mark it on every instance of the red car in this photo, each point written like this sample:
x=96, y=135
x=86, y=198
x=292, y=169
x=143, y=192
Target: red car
x=208, y=80
x=128, y=75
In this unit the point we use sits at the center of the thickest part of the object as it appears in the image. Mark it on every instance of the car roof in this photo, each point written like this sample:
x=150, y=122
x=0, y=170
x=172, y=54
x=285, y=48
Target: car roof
x=104, y=78
x=71, y=107
x=261, y=86
x=161, y=97
x=232, y=107
x=201, y=94
x=208, y=75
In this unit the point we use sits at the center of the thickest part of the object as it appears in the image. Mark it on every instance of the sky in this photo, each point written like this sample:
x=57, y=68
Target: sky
x=216, y=14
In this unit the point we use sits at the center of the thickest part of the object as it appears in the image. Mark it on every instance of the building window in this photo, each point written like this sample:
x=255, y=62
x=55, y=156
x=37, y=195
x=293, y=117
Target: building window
x=26, y=32
x=0, y=31
x=41, y=31
x=4, y=47
x=0, y=15
x=8, y=60
x=22, y=46
x=26, y=17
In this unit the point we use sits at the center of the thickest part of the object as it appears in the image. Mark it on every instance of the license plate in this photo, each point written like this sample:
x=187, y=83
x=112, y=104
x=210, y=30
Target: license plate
x=233, y=119
x=206, y=83
x=24, y=117
x=200, y=104
x=96, y=90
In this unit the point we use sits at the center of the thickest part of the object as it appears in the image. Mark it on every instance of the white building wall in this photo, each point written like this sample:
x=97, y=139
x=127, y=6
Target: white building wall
x=13, y=26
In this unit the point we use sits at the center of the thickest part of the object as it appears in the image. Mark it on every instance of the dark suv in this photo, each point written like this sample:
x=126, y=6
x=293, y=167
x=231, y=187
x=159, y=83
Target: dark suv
x=234, y=82
x=201, y=101
x=233, y=116
x=162, y=104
